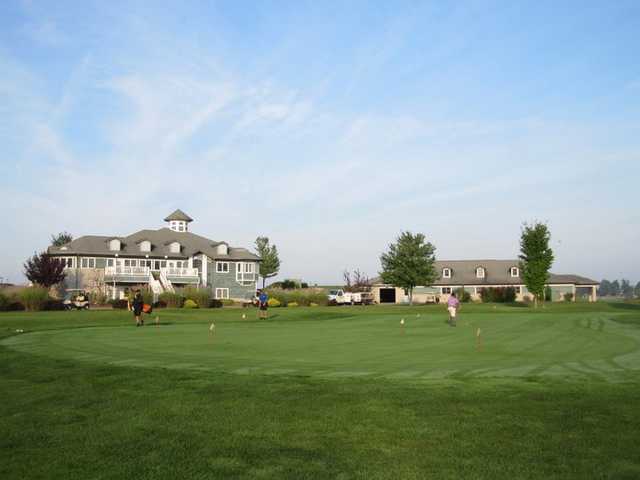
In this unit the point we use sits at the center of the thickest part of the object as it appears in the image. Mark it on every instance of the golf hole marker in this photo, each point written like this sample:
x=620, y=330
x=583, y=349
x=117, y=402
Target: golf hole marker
x=479, y=339
x=244, y=315
x=157, y=320
x=212, y=328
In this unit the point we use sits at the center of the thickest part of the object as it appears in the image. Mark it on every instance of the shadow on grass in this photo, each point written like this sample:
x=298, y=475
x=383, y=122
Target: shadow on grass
x=625, y=306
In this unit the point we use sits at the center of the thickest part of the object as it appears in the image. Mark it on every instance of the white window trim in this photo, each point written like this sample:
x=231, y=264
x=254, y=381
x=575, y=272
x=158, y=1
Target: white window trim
x=517, y=270
x=446, y=288
x=89, y=261
x=112, y=243
x=446, y=273
x=480, y=272
x=174, y=247
x=222, y=267
x=222, y=293
x=245, y=272
x=69, y=262
x=145, y=243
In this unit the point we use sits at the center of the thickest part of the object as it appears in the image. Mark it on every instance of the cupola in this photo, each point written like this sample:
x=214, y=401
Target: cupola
x=179, y=221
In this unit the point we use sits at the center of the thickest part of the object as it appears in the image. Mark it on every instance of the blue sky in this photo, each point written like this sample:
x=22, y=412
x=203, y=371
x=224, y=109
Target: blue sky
x=329, y=127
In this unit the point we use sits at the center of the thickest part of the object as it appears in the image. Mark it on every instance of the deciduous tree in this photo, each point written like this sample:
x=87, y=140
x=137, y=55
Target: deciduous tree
x=536, y=258
x=409, y=262
x=44, y=270
x=270, y=264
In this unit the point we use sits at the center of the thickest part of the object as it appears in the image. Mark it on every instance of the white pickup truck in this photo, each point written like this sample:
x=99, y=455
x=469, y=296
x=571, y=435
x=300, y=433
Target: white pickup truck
x=340, y=297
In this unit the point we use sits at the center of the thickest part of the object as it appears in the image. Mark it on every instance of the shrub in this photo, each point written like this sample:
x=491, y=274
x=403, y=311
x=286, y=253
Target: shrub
x=119, y=304
x=34, y=298
x=292, y=304
x=227, y=302
x=199, y=295
x=274, y=302
x=463, y=295
x=188, y=303
x=498, y=294
x=171, y=299
x=568, y=297
x=313, y=304
x=160, y=304
x=215, y=303
x=299, y=296
x=98, y=297
x=9, y=303
x=53, y=304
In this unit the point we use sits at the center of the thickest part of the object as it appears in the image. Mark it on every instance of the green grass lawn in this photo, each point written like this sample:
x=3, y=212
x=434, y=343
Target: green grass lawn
x=342, y=392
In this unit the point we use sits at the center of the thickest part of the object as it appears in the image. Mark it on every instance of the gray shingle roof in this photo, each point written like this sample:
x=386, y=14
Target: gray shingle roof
x=179, y=215
x=190, y=244
x=497, y=272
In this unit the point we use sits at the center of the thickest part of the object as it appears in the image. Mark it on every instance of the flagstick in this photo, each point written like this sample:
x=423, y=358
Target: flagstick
x=479, y=339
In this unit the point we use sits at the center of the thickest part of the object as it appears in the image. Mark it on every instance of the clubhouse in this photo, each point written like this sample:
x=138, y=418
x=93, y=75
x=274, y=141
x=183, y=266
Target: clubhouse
x=160, y=259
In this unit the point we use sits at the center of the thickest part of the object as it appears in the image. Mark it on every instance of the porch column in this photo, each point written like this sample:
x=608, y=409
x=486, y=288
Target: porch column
x=574, y=292
x=204, y=270
x=593, y=293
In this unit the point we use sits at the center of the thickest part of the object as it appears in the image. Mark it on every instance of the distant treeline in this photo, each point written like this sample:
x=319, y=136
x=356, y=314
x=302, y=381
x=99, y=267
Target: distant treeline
x=622, y=288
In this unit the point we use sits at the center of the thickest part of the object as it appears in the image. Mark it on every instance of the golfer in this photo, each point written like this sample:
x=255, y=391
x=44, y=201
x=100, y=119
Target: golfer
x=453, y=304
x=136, y=306
x=263, y=304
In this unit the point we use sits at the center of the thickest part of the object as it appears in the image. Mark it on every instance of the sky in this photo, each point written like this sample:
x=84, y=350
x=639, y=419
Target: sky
x=329, y=127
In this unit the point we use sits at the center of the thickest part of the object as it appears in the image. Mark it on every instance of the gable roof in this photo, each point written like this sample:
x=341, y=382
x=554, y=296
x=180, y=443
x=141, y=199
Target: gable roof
x=160, y=239
x=497, y=272
x=179, y=215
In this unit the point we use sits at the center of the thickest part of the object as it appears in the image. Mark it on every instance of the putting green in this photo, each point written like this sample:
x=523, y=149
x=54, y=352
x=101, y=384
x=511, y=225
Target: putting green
x=588, y=344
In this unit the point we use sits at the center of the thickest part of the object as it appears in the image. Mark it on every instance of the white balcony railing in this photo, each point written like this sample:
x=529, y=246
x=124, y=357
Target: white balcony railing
x=128, y=271
x=180, y=272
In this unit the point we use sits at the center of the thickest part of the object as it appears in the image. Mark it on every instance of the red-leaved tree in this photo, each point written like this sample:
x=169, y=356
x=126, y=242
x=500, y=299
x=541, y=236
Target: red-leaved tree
x=44, y=270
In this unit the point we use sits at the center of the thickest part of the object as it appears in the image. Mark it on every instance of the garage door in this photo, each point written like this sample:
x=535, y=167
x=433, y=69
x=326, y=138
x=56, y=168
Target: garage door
x=387, y=295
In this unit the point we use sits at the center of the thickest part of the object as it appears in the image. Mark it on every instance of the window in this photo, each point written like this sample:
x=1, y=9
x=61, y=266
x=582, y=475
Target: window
x=515, y=272
x=114, y=244
x=446, y=273
x=67, y=261
x=222, y=249
x=87, y=262
x=222, y=293
x=446, y=290
x=174, y=247
x=222, y=267
x=145, y=246
x=480, y=272
x=248, y=268
x=518, y=290
x=181, y=227
x=109, y=262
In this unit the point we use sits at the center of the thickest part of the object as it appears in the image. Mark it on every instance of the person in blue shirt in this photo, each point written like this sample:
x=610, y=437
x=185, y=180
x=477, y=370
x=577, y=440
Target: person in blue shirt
x=263, y=304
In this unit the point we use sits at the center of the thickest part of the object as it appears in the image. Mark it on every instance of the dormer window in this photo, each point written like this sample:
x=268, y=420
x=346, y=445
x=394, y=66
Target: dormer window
x=222, y=249
x=174, y=247
x=114, y=245
x=446, y=273
x=145, y=246
x=515, y=271
x=480, y=272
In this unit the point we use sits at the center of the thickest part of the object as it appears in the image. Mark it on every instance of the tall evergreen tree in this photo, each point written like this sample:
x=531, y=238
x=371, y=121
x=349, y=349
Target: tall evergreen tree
x=61, y=239
x=44, y=270
x=270, y=264
x=626, y=290
x=536, y=258
x=636, y=290
x=409, y=262
x=615, y=288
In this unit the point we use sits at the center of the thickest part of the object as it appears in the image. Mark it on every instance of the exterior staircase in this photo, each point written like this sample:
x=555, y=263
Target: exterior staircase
x=156, y=285
x=166, y=283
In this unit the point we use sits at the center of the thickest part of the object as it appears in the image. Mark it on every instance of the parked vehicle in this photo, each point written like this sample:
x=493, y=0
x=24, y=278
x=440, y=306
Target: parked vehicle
x=77, y=299
x=340, y=297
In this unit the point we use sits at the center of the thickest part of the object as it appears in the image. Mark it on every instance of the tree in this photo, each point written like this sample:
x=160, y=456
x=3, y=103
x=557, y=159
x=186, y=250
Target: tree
x=270, y=264
x=409, y=262
x=44, y=270
x=615, y=288
x=626, y=289
x=61, y=239
x=605, y=288
x=536, y=258
x=356, y=281
x=637, y=290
